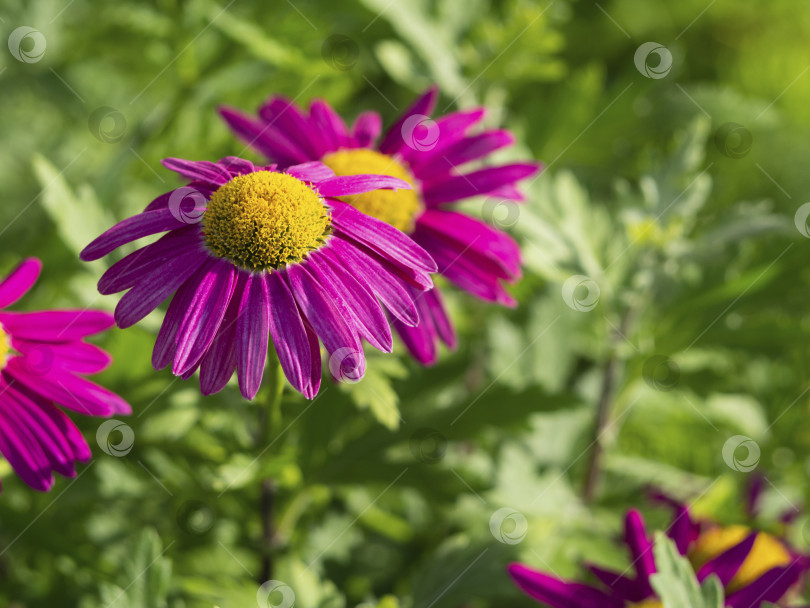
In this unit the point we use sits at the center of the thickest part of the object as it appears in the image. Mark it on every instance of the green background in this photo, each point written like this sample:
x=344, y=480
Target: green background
x=385, y=492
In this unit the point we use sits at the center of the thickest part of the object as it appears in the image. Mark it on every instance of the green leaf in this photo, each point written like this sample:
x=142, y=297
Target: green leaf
x=79, y=217
x=676, y=583
x=375, y=393
x=146, y=576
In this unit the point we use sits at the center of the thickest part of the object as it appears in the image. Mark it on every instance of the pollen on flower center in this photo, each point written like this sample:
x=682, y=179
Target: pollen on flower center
x=265, y=220
x=398, y=208
x=646, y=604
x=768, y=552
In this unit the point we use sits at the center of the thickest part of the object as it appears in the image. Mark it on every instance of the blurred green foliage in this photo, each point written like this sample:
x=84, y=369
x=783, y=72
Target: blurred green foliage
x=690, y=293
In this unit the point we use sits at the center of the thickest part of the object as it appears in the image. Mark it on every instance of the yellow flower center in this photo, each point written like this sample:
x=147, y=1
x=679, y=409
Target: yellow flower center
x=398, y=208
x=265, y=220
x=768, y=552
x=5, y=347
x=647, y=604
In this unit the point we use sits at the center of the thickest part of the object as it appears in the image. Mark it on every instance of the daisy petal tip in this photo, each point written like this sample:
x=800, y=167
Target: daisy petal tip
x=89, y=254
x=32, y=265
x=124, y=408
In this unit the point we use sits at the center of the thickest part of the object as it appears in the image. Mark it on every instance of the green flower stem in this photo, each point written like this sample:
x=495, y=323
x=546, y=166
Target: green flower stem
x=610, y=370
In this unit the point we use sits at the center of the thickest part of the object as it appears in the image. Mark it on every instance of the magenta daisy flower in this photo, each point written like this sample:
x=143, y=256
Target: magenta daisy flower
x=263, y=253
x=754, y=567
x=43, y=363
x=427, y=154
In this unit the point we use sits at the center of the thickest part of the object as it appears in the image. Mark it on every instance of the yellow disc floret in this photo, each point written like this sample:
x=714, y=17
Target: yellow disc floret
x=768, y=552
x=5, y=348
x=647, y=604
x=265, y=220
x=398, y=208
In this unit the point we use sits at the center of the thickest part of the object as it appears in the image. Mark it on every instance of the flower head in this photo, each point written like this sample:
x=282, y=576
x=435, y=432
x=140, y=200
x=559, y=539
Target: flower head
x=43, y=363
x=252, y=253
x=754, y=567
x=427, y=154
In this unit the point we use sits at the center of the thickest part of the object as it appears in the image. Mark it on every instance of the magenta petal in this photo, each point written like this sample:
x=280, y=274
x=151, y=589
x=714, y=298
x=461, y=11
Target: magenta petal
x=392, y=142
x=469, y=272
x=70, y=391
x=329, y=124
x=472, y=234
x=420, y=340
x=770, y=587
x=312, y=172
x=381, y=237
x=21, y=279
x=620, y=585
x=641, y=549
x=683, y=530
x=55, y=325
x=154, y=288
x=313, y=382
x=252, y=334
x=202, y=170
x=477, y=183
x=204, y=315
x=434, y=306
x=24, y=452
x=329, y=319
x=77, y=357
x=360, y=302
x=726, y=565
x=461, y=152
x=453, y=126
x=133, y=228
x=73, y=436
x=167, y=338
x=265, y=138
x=508, y=192
x=287, y=117
x=188, y=201
x=558, y=593
x=236, y=166
x=290, y=336
x=133, y=268
x=219, y=362
x=345, y=185
x=43, y=430
x=387, y=286
x=366, y=129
